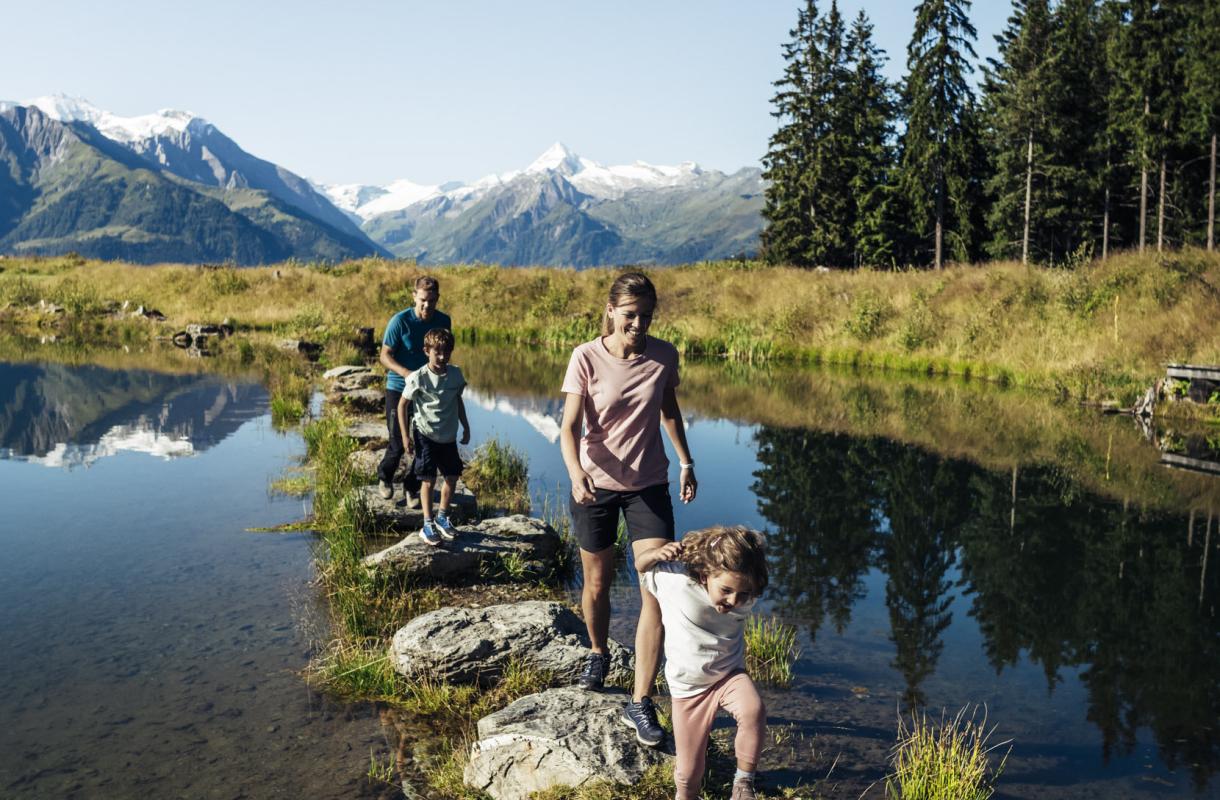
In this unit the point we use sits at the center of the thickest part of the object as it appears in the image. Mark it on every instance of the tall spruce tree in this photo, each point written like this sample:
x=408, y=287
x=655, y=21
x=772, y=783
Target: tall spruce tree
x=870, y=108
x=833, y=148
x=937, y=149
x=1017, y=102
x=1201, y=117
x=788, y=207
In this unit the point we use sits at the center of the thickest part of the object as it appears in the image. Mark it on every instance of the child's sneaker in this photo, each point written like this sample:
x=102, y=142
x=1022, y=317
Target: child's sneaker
x=444, y=527
x=429, y=533
x=743, y=789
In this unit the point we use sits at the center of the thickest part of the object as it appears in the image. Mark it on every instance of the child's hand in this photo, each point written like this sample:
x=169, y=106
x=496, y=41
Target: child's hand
x=465, y=436
x=669, y=552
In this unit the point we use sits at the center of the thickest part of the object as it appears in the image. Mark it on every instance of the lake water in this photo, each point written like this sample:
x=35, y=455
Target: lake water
x=935, y=542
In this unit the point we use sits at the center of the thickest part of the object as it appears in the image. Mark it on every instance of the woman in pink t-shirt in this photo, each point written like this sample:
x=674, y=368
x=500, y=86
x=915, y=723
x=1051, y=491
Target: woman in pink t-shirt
x=621, y=388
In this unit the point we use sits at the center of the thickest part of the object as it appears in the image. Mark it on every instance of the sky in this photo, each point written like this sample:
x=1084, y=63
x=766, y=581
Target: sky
x=369, y=91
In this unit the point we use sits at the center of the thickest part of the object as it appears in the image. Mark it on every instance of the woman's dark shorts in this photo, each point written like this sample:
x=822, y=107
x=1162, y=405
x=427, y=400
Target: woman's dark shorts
x=432, y=456
x=649, y=513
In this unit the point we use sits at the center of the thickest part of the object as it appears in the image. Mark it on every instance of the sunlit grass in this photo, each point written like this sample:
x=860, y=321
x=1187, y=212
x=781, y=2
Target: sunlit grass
x=949, y=761
x=499, y=476
x=771, y=650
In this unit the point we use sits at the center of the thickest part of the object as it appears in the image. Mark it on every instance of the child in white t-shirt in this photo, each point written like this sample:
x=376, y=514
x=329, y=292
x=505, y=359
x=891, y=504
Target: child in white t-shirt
x=705, y=584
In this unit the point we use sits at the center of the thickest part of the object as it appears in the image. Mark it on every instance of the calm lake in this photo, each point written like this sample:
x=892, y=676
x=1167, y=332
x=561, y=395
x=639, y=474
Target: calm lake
x=935, y=542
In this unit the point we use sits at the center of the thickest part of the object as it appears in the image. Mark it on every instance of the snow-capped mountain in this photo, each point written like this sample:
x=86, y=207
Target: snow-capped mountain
x=64, y=108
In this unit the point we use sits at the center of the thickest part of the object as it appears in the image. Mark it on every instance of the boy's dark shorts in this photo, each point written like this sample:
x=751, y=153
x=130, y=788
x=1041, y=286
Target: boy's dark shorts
x=649, y=513
x=432, y=456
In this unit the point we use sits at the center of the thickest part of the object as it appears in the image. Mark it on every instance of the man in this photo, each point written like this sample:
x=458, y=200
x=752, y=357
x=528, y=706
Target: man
x=402, y=352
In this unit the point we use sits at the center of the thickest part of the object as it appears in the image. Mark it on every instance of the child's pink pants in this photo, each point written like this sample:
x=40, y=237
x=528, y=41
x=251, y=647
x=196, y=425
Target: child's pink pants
x=692, y=718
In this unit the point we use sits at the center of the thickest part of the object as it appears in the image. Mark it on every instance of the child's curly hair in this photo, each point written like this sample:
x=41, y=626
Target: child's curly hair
x=722, y=548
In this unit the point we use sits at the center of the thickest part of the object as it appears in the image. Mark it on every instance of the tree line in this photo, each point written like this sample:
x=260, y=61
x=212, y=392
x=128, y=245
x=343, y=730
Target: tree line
x=1093, y=129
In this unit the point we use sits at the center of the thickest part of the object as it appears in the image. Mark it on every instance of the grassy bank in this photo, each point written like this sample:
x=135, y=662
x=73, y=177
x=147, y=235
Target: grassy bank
x=1101, y=331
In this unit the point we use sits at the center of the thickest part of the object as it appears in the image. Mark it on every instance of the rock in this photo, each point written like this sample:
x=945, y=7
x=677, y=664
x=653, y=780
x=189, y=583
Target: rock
x=364, y=341
x=368, y=433
x=50, y=308
x=468, y=645
x=362, y=400
x=182, y=339
x=516, y=547
x=203, y=329
x=345, y=369
x=560, y=737
x=356, y=381
x=310, y=350
x=149, y=313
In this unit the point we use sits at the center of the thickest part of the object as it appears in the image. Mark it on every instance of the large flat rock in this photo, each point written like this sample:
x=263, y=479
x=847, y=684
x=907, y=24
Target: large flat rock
x=371, y=434
x=380, y=514
x=357, y=380
x=560, y=737
x=468, y=645
x=344, y=370
x=359, y=400
x=516, y=547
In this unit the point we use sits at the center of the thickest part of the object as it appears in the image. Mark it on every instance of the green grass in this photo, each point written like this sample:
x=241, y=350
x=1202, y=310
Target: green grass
x=949, y=761
x=499, y=476
x=771, y=650
x=292, y=484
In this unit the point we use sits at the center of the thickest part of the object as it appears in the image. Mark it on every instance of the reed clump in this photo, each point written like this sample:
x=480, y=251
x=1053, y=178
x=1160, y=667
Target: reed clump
x=771, y=650
x=949, y=761
x=499, y=476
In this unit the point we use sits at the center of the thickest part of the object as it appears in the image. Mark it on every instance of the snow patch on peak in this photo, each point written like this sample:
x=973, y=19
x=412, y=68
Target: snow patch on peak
x=66, y=108
x=558, y=158
x=366, y=201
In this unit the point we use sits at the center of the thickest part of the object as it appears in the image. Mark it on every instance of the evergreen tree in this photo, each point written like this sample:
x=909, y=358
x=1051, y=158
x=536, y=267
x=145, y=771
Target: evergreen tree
x=833, y=147
x=788, y=207
x=1201, y=118
x=937, y=150
x=870, y=107
x=1015, y=90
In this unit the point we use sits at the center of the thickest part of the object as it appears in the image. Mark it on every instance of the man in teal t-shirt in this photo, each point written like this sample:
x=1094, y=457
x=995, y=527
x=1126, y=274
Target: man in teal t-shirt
x=402, y=352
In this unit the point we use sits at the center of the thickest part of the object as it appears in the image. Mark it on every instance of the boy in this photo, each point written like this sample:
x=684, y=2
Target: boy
x=402, y=352
x=433, y=396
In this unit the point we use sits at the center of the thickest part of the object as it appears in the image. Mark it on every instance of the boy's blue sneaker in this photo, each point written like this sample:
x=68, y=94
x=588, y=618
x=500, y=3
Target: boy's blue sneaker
x=429, y=533
x=643, y=717
x=444, y=527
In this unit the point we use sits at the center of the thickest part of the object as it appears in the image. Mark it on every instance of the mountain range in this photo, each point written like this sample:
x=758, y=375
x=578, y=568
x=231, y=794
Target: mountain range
x=170, y=186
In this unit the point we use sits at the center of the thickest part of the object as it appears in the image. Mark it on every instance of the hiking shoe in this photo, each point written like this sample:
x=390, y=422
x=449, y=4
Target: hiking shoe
x=593, y=676
x=643, y=717
x=743, y=789
x=386, y=490
x=444, y=527
x=412, y=498
x=429, y=533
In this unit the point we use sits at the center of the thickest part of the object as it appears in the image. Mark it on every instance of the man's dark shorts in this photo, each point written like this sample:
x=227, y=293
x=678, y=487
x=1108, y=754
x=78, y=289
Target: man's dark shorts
x=649, y=513
x=432, y=456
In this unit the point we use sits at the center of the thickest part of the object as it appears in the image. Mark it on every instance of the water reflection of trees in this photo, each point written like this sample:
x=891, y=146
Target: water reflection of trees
x=1054, y=574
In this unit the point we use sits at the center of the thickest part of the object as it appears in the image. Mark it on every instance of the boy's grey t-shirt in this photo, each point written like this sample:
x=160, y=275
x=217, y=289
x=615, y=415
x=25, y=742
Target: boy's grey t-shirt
x=434, y=401
x=701, y=644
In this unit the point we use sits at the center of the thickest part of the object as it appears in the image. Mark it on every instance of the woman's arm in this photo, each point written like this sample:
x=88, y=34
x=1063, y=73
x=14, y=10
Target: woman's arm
x=671, y=420
x=666, y=552
x=569, y=435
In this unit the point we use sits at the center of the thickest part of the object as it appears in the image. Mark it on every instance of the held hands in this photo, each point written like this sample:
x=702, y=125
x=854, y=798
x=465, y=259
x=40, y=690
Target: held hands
x=687, y=484
x=582, y=487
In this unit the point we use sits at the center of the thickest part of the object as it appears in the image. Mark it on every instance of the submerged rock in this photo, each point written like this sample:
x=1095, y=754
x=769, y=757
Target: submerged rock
x=560, y=737
x=468, y=645
x=517, y=548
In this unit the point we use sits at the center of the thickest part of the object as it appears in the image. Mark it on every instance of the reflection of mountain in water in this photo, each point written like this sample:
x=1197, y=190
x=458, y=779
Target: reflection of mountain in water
x=65, y=416
x=542, y=413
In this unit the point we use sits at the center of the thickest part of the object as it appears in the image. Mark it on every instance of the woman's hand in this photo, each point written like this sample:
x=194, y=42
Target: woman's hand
x=687, y=484
x=582, y=487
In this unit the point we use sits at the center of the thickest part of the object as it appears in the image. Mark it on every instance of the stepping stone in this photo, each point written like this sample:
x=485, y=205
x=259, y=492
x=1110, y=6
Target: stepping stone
x=346, y=369
x=514, y=548
x=380, y=514
x=366, y=400
x=368, y=433
x=560, y=737
x=351, y=383
x=472, y=645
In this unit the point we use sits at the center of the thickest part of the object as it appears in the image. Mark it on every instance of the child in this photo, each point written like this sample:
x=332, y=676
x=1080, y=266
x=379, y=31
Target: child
x=435, y=394
x=705, y=585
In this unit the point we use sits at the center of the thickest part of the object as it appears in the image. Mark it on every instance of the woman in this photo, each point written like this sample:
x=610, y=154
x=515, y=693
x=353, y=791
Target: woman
x=621, y=388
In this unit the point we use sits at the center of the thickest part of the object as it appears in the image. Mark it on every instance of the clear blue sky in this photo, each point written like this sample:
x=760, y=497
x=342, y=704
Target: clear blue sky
x=367, y=91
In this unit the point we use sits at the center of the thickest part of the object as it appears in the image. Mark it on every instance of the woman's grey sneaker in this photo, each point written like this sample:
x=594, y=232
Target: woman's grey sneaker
x=643, y=717
x=593, y=676
x=742, y=790
x=386, y=490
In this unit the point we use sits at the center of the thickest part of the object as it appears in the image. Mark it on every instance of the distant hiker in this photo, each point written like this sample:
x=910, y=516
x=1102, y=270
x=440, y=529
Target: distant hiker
x=622, y=388
x=706, y=585
x=402, y=352
x=429, y=413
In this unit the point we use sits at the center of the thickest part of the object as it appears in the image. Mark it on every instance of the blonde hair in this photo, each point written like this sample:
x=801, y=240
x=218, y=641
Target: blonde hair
x=628, y=287
x=723, y=548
